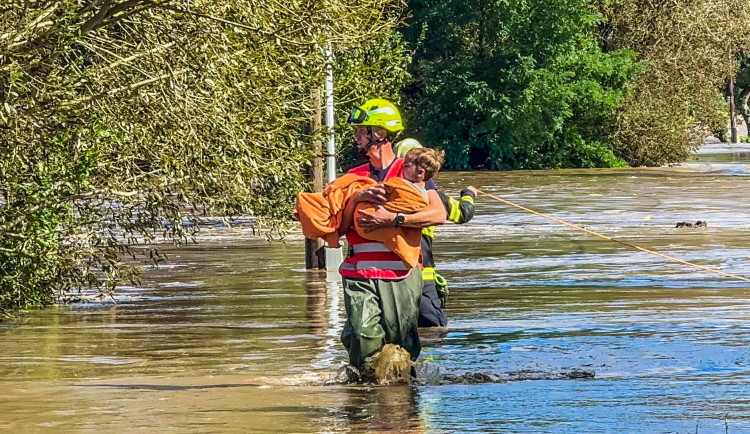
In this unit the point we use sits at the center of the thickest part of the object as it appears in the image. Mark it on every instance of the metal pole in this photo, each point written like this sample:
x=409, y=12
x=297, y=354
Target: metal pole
x=334, y=256
x=331, y=149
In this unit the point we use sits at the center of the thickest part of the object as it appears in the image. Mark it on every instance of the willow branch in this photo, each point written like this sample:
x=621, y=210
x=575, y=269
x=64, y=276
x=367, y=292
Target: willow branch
x=96, y=19
x=133, y=86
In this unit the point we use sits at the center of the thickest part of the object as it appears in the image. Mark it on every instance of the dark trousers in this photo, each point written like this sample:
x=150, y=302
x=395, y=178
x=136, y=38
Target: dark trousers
x=430, y=313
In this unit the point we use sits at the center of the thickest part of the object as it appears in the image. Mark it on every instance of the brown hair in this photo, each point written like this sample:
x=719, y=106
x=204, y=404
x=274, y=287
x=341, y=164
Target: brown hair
x=426, y=158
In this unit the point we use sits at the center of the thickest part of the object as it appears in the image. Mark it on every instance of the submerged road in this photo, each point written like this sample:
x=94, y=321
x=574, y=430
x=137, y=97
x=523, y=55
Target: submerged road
x=232, y=335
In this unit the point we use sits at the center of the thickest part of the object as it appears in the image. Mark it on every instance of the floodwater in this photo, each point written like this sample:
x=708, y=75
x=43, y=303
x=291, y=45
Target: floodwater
x=233, y=335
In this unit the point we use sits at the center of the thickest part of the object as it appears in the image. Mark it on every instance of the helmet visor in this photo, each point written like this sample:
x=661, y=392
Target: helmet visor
x=357, y=116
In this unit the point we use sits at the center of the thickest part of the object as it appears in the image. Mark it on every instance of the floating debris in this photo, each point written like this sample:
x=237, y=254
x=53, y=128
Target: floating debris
x=698, y=224
x=522, y=375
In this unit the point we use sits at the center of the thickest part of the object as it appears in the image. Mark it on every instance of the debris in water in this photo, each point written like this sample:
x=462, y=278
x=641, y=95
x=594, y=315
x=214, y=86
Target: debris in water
x=392, y=365
x=698, y=224
x=522, y=375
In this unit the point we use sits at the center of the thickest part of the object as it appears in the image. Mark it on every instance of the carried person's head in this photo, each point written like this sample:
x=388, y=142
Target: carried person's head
x=377, y=124
x=421, y=164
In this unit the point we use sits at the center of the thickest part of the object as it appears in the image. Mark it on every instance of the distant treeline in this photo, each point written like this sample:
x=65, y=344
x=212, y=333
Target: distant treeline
x=120, y=120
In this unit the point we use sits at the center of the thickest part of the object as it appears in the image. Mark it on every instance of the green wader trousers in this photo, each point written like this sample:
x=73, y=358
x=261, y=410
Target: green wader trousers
x=381, y=312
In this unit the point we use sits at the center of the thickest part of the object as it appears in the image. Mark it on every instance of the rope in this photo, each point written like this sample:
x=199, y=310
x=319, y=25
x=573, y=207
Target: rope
x=604, y=237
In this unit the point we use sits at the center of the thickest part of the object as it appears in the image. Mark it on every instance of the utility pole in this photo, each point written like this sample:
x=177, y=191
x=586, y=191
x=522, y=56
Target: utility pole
x=314, y=249
x=317, y=256
x=331, y=148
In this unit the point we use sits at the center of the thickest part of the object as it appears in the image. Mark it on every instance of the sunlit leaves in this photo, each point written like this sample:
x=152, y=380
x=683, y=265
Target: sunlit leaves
x=687, y=47
x=122, y=120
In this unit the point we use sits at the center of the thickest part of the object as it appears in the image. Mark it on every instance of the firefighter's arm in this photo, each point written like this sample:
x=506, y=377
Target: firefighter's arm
x=462, y=210
x=433, y=215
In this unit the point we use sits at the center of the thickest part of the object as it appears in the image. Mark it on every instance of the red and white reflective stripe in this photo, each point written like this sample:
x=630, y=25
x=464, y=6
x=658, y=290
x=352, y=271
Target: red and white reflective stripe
x=370, y=248
x=375, y=265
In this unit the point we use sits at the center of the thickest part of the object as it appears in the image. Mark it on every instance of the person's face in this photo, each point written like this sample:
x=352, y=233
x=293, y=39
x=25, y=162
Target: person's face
x=360, y=136
x=412, y=172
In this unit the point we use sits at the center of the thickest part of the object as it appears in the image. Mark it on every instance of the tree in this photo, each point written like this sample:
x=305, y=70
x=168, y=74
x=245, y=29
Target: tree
x=120, y=121
x=742, y=86
x=517, y=85
x=687, y=47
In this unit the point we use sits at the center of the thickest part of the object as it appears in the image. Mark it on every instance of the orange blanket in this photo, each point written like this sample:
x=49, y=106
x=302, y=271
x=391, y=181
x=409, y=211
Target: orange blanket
x=320, y=213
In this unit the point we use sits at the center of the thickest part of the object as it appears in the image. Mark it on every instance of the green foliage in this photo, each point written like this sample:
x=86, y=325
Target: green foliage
x=122, y=120
x=688, y=47
x=514, y=85
x=718, y=120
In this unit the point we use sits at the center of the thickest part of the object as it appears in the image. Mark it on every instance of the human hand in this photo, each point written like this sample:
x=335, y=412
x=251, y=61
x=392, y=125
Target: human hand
x=375, y=194
x=373, y=220
x=472, y=189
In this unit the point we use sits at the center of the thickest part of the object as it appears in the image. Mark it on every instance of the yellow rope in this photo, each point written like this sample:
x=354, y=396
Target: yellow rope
x=604, y=237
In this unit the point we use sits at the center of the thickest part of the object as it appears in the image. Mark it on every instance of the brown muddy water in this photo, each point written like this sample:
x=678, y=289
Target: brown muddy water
x=233, y=335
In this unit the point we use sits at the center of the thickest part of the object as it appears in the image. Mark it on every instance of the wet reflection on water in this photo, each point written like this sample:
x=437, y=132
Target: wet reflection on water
x=233, y=334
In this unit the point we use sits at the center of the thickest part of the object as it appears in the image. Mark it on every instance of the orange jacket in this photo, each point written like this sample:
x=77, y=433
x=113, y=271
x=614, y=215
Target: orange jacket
x=320, y=213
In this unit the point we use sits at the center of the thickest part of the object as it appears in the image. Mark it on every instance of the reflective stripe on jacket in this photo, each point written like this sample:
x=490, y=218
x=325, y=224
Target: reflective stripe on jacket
x=428, y=273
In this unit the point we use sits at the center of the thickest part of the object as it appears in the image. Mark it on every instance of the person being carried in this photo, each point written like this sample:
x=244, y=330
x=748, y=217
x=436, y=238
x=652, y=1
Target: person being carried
x=419, y=167
x=322, y=214
x=381, y=294
x=435, y=289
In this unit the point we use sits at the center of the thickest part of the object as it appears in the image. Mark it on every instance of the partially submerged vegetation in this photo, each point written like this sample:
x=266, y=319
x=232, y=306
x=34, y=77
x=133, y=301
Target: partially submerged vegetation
x=689, y=49
x=572, y=83
x=120, y=120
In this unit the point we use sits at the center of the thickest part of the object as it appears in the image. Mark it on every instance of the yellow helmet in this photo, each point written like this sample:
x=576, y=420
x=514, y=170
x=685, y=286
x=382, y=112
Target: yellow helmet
x=404, y=146
x=377, y=113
